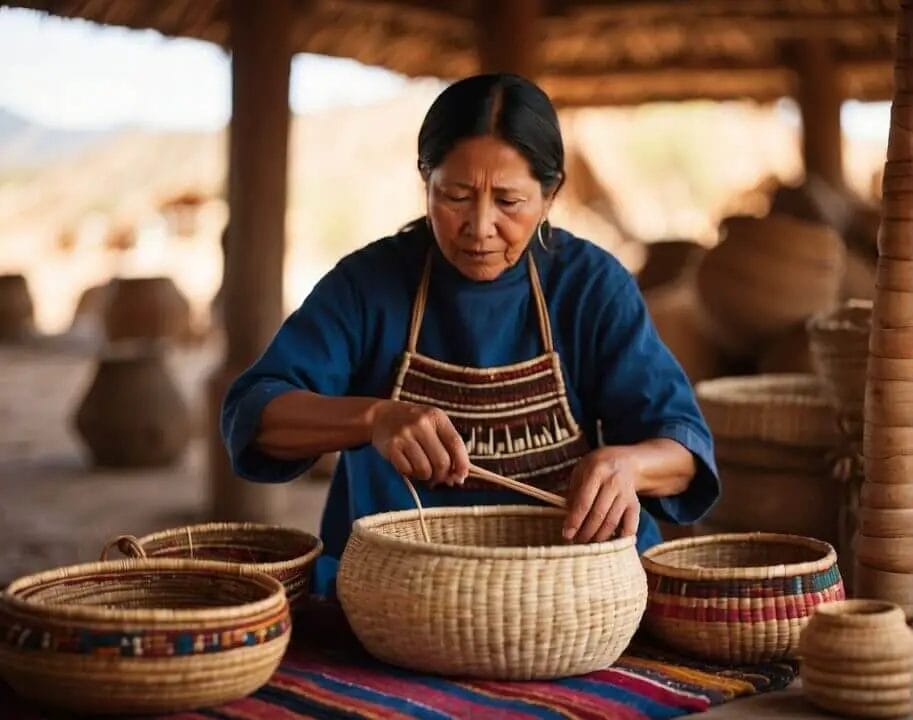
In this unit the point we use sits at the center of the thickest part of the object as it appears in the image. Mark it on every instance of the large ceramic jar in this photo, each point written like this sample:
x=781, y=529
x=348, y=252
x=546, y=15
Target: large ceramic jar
x=133, y=414
x=146, y=307
x=16, y=311
x=857, y=657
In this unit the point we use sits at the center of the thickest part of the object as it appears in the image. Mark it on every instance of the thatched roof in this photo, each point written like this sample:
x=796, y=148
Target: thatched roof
x=609, y=52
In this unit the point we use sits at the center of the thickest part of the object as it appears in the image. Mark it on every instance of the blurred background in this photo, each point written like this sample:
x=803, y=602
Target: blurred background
x=127, y=142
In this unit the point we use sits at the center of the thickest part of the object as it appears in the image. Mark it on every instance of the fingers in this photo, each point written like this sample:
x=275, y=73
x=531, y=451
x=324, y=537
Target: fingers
x=612, y=520
x=631, y=520
x=456, y=450
x=423, y=444
x=599, y=510
x=582, y=493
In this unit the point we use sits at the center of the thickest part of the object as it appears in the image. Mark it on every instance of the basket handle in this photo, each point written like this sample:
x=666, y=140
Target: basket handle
x=127, y=544
x=491, y=477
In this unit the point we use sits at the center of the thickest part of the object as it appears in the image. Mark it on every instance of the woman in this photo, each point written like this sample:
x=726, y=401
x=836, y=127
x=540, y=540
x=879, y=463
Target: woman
x=479, y=334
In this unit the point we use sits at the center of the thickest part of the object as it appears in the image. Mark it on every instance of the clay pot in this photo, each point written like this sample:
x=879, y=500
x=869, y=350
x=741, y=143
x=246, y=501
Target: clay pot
x=753, y=500
x=894, y=275
x=669, y=261
x=896, y=469
x=787, y=353
x=857, y=659
x=890, y=586
x=894, y=554
x=768, y=275
x=133, y=414
x=675, y=312
x=16, y=310
x=887, y=495
x=151, y=307
x=889, y=402
x=761, y=455
x=894, y=239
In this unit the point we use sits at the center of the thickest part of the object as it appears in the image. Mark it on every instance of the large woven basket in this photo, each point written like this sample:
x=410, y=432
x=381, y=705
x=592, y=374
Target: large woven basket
x=738, y=597
x=286, y=554
x=789, y=409
x=494, y=592
x=141, y=636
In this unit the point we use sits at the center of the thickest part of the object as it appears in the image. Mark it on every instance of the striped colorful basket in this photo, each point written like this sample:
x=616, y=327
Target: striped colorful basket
x=286, y=554
x=738, y=597
x=142, y=636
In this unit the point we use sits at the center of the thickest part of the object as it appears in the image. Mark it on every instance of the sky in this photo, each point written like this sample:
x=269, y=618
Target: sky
x=72, y=74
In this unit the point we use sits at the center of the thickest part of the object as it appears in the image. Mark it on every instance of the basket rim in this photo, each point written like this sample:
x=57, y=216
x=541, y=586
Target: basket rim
x=315, y=551
x=763, y=390
x=652, y=562
x=65, y=611
x=365, y=528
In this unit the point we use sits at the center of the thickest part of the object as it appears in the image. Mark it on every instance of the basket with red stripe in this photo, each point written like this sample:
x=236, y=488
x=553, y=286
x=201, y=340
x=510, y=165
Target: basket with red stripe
x=738, y=597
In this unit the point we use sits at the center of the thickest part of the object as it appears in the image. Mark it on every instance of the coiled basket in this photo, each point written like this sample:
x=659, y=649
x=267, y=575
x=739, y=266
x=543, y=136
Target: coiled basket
x=490, y=592
x=738, y=597
x=141, y=636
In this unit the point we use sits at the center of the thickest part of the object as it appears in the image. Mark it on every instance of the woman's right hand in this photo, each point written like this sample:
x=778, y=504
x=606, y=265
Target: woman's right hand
x=420, y=442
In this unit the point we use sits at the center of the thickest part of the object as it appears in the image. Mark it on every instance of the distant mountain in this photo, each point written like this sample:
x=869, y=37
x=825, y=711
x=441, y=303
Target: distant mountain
x=25, y=145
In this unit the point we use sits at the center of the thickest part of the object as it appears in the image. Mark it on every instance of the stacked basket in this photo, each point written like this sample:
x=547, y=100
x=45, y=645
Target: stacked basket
x=774, y=434
x=840, y=349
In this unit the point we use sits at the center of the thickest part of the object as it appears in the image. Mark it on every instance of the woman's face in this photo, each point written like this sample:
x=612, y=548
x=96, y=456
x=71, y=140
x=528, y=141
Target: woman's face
x=484, y=204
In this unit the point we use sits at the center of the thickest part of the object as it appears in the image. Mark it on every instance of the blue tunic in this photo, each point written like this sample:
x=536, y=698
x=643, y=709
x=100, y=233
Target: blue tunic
x=348, y=337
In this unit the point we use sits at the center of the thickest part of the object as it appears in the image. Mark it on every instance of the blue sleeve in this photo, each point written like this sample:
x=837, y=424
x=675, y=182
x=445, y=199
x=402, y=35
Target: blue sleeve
x=318, y=348
x=643, y=393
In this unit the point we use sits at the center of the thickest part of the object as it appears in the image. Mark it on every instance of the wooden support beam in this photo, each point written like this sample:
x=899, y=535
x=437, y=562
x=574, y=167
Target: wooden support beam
x=508, y=33
x=258, y=162
x=820, y=97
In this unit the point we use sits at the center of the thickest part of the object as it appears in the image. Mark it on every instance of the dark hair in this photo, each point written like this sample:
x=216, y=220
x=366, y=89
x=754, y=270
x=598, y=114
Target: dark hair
x=507, y=106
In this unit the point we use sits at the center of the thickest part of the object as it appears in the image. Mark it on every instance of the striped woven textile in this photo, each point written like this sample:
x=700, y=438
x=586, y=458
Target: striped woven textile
x=346, y=683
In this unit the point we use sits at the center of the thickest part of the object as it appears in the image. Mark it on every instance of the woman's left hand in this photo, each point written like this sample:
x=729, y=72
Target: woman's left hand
x=602, y=496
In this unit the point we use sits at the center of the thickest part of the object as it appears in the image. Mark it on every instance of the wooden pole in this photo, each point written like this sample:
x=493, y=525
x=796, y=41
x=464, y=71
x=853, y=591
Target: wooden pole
x=884, y=544
x=258, y=160
x=820, y=98
x=508, y=34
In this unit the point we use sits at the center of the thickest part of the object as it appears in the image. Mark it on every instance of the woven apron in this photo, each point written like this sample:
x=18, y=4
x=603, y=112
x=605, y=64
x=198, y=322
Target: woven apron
x=515, y=419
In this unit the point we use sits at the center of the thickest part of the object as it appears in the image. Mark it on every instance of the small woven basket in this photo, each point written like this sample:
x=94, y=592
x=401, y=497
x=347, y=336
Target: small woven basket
x=489, y=592
x=286, y=554
x=141, y=636
x=738, y=597
x=788, y=409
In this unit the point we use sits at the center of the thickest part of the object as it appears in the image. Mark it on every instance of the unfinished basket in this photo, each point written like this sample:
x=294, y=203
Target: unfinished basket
x=286, y=554
x=142, y=636
x=493, y=592
x=738, y=597
x=788, y=409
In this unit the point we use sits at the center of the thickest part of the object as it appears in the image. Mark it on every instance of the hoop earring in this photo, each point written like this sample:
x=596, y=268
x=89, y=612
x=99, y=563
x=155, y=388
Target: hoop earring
x=539, y=235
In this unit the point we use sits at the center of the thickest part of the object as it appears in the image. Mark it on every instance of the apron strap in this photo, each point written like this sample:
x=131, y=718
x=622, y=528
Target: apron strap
x=421, y=300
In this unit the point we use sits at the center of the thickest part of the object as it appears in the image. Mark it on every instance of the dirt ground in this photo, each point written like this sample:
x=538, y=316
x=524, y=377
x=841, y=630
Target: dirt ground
x=55, y=508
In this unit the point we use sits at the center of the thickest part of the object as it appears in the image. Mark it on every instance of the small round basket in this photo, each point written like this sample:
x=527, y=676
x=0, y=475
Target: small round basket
x=738, y=597
x=286, y=554
x=141, y=636
x=489, y=592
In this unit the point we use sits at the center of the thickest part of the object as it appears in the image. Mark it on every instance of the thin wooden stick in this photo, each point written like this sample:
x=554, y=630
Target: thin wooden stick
x=535, y=492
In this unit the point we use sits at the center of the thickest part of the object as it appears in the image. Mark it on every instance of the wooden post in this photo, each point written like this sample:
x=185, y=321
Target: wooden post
x=820, y=98
x=508, y=36
x=258, y=159
x=884, y=543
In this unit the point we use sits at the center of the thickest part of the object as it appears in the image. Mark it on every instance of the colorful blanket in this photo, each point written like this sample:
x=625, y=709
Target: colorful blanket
x=344, y=682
